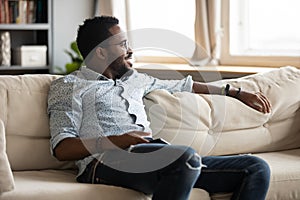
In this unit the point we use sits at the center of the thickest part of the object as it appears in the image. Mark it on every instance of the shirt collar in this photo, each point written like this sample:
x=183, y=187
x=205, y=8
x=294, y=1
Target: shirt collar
x=89, y=74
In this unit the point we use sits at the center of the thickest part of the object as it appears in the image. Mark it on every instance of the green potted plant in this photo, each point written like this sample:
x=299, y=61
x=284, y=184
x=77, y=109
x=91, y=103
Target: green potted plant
x=76, y=58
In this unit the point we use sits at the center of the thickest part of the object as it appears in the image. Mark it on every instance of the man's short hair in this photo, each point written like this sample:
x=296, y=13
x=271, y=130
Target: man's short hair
x=93, y=32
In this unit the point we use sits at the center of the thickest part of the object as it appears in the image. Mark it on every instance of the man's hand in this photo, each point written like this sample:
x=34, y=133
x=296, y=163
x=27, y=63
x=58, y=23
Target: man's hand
x=258, y=101
x=124, y=141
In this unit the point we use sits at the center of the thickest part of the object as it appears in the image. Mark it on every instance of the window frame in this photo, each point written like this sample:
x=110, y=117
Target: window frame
x=248, y=60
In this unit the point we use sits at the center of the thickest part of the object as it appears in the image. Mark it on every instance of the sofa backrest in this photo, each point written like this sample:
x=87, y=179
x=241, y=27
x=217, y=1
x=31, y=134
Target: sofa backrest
x=23, y=109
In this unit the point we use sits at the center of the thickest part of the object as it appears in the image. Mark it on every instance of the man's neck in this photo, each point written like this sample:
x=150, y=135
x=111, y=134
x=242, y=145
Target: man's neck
x=107, y=73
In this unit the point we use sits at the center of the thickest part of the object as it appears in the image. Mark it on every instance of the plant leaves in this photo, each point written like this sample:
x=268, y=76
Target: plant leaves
x=70, y=67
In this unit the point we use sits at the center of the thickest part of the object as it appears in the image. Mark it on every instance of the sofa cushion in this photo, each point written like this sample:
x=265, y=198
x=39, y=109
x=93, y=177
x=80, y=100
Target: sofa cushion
x=281, y=129
x=220, y=125
x=61, y=185
x=285, y=174
x=23, y=109
x=6, y=181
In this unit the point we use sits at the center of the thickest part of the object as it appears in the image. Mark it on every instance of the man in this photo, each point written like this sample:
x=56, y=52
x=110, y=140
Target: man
x=97, y=118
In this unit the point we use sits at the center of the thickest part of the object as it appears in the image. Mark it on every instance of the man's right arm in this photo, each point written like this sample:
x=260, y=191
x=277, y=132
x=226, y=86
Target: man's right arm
x=72, y=149
x=77, y=148
x=64, y=120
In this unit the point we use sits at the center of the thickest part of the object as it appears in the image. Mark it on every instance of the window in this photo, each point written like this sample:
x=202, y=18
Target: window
x=175, y=19
x=261, y=32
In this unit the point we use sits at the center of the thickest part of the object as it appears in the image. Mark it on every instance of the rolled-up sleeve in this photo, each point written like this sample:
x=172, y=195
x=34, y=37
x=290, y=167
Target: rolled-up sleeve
x=183, y=85
x=64, y=112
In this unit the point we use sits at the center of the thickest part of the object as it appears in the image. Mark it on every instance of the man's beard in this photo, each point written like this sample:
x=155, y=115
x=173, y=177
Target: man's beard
x=120, y=66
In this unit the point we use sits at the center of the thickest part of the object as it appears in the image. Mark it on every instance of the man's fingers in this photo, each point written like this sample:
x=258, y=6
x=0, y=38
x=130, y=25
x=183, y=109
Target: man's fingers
x=257, y=106
x=268, y=103
x=265, y=102
x=139, y=133
x=138, y=136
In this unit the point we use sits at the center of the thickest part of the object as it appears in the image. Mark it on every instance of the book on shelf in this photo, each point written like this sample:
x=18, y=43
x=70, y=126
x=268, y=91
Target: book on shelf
x=23, y=11
x=5, y=47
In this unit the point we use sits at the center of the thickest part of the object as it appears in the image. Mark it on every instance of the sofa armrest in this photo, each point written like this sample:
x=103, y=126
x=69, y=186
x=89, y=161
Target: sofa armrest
x=6, y=175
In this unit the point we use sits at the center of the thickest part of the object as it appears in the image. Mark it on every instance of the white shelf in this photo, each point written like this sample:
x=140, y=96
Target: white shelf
x=24, y=26
x=15, y=67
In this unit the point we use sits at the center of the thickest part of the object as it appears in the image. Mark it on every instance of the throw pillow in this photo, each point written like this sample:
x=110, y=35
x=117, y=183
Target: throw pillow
x=6, y=180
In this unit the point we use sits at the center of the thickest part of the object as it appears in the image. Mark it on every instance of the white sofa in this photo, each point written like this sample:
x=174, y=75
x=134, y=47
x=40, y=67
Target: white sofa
x=212, y=124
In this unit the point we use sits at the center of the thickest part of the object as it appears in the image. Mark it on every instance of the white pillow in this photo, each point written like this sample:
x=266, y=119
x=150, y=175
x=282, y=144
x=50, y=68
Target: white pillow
x=6, y=181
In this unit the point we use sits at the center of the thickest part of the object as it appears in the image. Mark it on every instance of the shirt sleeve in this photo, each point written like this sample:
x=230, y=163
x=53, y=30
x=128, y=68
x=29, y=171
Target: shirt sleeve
x=184, y=85
x=64, y=111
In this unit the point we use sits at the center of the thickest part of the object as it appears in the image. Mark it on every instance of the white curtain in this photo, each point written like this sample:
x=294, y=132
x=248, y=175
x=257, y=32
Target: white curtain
x=208, y=32
x=115, y=8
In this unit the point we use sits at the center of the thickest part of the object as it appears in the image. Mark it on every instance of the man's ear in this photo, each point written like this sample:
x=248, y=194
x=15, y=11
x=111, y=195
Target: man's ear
x=101, y=53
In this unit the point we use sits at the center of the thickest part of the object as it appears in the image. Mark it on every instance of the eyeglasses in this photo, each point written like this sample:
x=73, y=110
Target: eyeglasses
x=124, y=44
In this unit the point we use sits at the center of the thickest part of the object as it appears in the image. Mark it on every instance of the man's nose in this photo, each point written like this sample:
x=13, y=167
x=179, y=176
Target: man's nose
x=129, y=50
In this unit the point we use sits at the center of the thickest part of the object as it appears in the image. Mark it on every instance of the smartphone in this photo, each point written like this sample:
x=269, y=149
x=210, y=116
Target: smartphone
x=158, y=140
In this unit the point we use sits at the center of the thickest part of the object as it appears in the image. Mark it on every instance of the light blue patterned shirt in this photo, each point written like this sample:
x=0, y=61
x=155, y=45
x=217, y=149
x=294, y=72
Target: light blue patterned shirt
x=86, y=104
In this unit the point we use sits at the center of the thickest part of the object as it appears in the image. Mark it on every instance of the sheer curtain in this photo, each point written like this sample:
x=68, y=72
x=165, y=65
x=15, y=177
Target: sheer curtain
x=115, y=8
x=208, y=31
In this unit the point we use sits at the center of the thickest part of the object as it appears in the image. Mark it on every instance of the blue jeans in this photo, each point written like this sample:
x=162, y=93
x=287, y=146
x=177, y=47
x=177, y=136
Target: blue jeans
x=144, y=169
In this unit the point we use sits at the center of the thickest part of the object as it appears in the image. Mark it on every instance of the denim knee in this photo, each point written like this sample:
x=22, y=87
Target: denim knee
x=259, y=167
x=259, y=163
x=194, y=161
x=265, y=168
x=190, y=159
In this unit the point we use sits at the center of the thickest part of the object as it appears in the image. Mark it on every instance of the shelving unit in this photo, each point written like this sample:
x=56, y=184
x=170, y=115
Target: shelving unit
x=39, y=33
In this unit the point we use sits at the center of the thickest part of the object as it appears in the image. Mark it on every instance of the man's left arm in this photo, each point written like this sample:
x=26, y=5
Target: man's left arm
x=257, y=100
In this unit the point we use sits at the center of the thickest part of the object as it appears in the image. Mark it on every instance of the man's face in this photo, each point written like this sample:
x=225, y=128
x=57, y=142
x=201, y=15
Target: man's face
x=119, y=52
